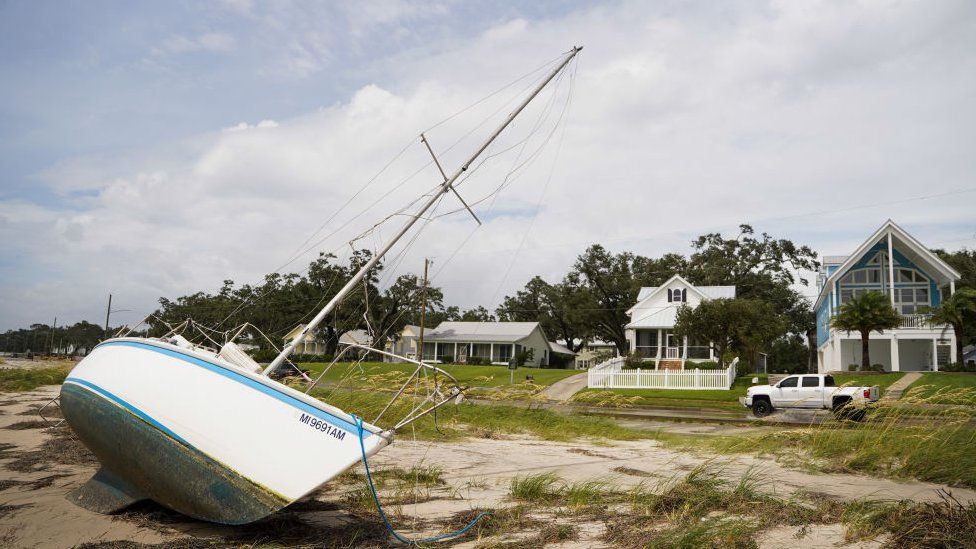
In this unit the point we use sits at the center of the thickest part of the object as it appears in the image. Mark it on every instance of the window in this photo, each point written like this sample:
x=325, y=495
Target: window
x=811, y=381
x=677, y=295
x=829, y=381
x=788, y=382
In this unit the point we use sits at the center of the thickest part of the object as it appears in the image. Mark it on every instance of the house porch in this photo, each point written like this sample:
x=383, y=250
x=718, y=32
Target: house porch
x=898, y=354
x=663, y=344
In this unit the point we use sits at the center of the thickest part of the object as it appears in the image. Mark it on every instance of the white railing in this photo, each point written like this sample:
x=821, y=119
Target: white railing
x=915, y=321
x=672, y=352
x=612, y=376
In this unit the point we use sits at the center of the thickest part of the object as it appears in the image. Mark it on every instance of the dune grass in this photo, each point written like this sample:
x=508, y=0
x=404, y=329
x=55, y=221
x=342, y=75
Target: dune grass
x=25, y=379
x=907, y=438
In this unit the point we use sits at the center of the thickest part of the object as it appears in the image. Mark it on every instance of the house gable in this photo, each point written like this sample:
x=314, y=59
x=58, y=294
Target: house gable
x=908, y=253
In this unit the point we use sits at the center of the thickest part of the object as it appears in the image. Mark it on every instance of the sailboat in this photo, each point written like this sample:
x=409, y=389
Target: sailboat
x=208, y=433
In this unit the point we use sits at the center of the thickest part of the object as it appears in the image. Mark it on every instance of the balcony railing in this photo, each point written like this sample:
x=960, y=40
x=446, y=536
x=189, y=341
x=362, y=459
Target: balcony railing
x=918, y=320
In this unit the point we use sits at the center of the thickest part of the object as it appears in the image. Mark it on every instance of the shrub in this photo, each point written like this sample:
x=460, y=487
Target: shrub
x=477, y=361
x=633, y=361
x=524, y=356
x=743, y=369
x=959, y=367
x=707, y=365
x=852, y=367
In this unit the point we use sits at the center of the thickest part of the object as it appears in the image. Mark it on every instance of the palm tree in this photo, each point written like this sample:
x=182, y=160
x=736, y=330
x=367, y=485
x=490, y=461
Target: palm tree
x=869, y=312
x=954, y=311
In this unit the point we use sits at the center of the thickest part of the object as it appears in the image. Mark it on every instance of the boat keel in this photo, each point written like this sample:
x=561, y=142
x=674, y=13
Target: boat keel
x=105, y=493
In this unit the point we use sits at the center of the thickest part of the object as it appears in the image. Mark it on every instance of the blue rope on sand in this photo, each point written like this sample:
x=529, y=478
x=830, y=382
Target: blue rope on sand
x=379, y=507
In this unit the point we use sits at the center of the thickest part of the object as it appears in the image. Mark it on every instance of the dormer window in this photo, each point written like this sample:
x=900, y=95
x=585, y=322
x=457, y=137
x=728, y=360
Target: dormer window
x=677, y=295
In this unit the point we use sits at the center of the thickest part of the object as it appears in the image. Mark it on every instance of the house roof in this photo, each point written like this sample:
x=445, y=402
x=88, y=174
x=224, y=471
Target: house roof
x=359, y=337
x=912, y=249
x=560, y=349
x=656, y=318
x=706, y=292
x=488, y=332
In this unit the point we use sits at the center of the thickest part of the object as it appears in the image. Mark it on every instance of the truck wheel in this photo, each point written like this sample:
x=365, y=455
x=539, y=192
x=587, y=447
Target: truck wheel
x=842, y=408
x=761, y=408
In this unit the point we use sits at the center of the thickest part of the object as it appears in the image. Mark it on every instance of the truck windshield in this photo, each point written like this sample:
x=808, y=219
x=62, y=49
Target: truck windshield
x=829, y=381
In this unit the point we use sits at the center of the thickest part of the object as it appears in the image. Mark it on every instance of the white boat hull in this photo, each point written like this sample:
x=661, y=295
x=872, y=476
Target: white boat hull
x=200, y=435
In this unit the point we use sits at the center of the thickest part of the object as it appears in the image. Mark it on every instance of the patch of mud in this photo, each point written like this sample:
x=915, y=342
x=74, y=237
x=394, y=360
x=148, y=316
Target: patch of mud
x=7, y=509
x=63, y=448
x=52, y=412
x=632, y=472
x=38, y=484
x=32, y=424
x=309, y=523
x=586, y=452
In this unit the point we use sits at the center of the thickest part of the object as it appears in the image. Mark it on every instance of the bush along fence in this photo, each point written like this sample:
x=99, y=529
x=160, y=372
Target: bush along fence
x=611, y=375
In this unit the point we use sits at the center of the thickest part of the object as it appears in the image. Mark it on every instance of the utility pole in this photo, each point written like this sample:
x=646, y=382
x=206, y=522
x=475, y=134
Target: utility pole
x=423, y=312
x=50, y=346
x=108, y=312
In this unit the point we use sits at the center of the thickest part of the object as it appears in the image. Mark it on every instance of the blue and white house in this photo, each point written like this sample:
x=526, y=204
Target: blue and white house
x=893, y=262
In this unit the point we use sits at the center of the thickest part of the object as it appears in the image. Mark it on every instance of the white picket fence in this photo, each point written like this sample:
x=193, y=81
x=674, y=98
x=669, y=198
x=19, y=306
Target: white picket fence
x=611, y=375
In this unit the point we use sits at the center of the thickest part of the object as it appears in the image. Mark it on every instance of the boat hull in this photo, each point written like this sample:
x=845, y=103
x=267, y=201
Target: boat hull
x=200, y=436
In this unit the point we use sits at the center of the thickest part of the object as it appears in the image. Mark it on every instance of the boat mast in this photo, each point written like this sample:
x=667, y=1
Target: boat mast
x=444, y=188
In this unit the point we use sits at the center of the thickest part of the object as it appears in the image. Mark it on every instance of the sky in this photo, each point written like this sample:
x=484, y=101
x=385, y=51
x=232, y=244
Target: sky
x=156, y=149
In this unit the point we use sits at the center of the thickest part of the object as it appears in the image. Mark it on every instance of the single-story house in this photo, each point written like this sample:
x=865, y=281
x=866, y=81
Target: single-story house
x=650, y=330
x=312, y=345
x=496, y=342
x=892, y=262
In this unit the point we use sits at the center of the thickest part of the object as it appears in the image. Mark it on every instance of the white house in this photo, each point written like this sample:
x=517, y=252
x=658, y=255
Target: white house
x=497, y=342
x=594, y=352
x=312, y=345
x=405, y=344
x=893, y=262
x=650, y=330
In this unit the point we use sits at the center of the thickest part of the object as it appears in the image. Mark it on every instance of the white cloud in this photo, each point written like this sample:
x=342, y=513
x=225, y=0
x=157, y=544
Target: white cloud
x=681, y=123
x=209, y=41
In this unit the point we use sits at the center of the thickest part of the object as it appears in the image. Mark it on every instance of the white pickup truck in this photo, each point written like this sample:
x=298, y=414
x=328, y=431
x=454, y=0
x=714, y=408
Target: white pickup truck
x=806, y=391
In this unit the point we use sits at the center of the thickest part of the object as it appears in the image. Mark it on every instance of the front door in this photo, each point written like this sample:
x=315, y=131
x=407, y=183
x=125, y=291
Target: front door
x=673, y=346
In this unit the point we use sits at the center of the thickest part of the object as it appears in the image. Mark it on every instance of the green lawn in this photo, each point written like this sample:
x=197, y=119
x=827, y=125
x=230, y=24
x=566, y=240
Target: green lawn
x=472, y=376
x=944, y=388
x=881, y=380
x=23, y=379
x=480, y=421
x=718, y=399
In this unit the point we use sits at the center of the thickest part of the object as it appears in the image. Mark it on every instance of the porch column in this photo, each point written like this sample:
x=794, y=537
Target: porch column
x=436, y=354
x=513, y=352
x=660, y=335
x=891, y=271
x=491, y=352
x=952, y=287
x=895, y=366
x=952, y=348
x=839, y=354
x=935, y=355
x=684, y=348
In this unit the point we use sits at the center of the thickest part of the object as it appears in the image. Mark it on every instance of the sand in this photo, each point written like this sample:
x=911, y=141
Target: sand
x=39, y=465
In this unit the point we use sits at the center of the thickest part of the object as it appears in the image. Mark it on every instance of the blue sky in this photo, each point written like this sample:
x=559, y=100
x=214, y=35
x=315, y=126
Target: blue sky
x=157, y=148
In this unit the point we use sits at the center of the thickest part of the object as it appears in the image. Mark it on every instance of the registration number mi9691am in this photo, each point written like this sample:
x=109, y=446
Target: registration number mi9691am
x=323, y=426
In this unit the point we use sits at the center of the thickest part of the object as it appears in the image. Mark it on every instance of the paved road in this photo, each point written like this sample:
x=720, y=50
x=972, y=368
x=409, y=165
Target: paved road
x=564, y=389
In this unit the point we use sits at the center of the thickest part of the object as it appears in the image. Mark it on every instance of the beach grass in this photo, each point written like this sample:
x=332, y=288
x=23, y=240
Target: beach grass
x=27, y=379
